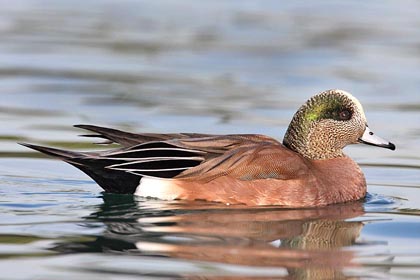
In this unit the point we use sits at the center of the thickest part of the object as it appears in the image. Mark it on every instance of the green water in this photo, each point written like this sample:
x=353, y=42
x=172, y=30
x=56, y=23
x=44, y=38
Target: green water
x=212, y=67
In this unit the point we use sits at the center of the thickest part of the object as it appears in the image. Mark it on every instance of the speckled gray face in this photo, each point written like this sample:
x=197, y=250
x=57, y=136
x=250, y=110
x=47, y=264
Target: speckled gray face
x=325, y=124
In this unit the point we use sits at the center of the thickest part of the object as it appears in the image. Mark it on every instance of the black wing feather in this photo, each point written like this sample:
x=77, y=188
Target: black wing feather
x=157, y=159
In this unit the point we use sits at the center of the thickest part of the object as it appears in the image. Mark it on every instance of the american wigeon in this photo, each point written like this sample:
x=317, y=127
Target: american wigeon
x=308, y=169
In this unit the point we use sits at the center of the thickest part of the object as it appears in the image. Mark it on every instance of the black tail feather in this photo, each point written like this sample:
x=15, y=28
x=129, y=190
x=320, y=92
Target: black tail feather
x=61, y=154
x=114, y=181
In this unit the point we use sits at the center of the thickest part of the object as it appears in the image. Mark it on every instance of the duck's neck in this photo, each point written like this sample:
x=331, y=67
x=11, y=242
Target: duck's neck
x=296, y=139
x=308, y=141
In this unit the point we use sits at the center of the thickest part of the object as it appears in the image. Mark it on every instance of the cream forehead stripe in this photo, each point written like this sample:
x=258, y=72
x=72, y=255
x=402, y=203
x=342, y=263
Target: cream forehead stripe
x=354, y=100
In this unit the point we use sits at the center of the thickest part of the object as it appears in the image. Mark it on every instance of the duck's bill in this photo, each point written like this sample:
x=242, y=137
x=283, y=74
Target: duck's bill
x=370, y=138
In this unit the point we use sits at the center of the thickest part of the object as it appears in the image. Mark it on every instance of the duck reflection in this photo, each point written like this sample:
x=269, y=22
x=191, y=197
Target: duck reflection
x=307, y=243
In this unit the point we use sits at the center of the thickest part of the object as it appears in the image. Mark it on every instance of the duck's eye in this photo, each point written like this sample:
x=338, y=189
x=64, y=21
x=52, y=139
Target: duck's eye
x=344, y=115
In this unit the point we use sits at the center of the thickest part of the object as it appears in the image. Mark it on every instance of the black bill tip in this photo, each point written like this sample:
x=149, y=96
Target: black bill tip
x=390, y=146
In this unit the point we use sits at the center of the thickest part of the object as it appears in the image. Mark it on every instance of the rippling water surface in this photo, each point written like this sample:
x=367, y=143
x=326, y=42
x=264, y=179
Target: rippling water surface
x=214, y=67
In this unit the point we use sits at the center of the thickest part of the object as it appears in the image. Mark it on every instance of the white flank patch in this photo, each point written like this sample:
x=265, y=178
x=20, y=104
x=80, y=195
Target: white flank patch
x=157, y=188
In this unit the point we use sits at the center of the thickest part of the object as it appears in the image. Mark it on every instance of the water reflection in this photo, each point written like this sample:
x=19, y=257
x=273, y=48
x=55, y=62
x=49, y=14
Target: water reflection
x=307, y=243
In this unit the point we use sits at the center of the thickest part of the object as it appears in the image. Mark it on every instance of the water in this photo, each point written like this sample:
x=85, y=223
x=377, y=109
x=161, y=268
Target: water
x=213, y=67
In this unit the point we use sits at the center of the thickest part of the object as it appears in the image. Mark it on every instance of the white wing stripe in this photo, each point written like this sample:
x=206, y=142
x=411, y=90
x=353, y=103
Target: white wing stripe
x=145, y=160
x=149, y=170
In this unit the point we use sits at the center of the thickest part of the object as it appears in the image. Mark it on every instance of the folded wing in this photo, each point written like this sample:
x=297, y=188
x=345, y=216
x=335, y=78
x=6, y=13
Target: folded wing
x=186, y=156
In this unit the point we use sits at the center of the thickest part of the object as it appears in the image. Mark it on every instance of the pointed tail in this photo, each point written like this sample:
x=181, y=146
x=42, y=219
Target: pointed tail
x=114, y=181
x=64, y=155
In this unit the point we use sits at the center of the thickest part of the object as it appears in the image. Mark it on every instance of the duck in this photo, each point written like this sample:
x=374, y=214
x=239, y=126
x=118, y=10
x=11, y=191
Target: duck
x=307, y=169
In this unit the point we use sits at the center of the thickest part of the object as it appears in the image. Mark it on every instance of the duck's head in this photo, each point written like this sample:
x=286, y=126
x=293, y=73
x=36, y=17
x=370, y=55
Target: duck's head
x=328, y=122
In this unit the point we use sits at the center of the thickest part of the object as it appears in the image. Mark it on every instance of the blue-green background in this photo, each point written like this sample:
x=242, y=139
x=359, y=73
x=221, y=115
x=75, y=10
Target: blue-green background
x=213, y=67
